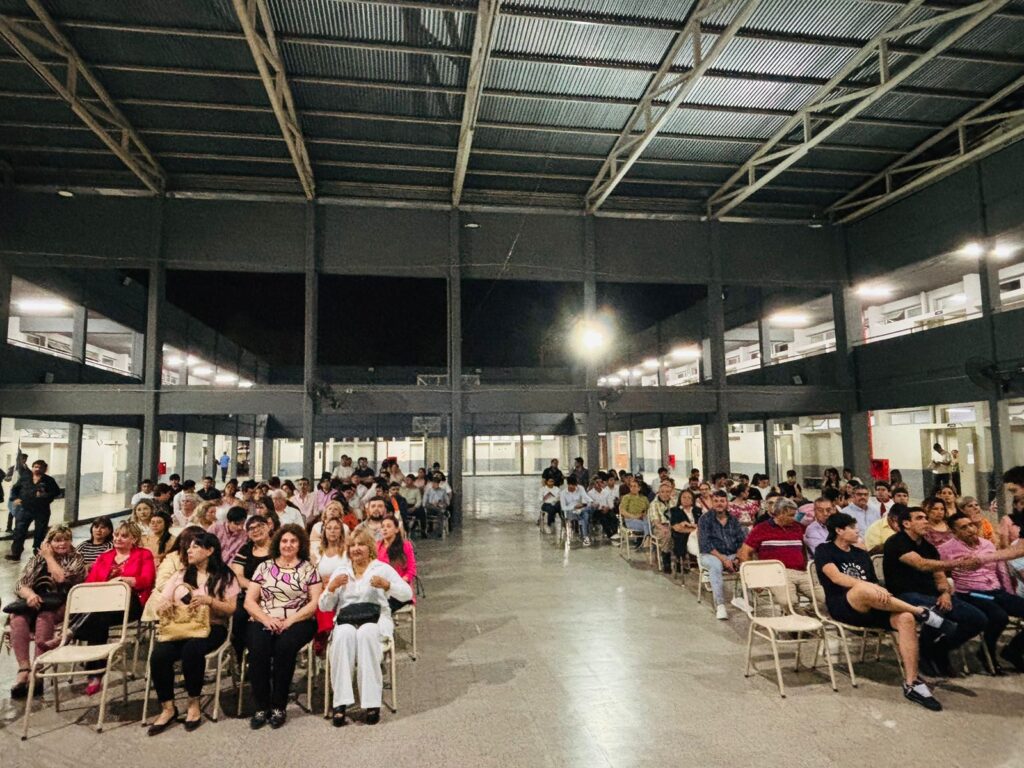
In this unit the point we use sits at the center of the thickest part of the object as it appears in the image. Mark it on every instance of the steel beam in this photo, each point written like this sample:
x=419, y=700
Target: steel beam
x=483, y=40
x=898, y=177
x=766, y=165
x=101, y=115
x=650, y=116
x=252, y=14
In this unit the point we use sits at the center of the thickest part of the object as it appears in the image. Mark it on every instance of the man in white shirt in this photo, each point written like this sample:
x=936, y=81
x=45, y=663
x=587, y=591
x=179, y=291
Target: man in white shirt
x=858, y=509
x=288, y=515
x=344, y=469
x=145, y=492
x=354, y=499
x=882, y=501
x=602, y=507
x=548, y=504
x=576, y=505
x=304, y=499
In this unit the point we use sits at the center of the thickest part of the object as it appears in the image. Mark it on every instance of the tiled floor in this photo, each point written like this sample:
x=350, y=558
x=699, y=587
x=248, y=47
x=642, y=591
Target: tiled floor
x=528, y=658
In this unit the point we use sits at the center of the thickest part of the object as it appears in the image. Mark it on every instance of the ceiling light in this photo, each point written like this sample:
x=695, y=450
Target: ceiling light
x=685, y=353
x=42, y=306
x=972, y=250
x=614, y=381
x=471, y=225
x=874, y=291
x=1004, y=251
x=636, y=372
x=789, y=319
x=174, y=361
x=245, y=384
x=65, y=193
x=624, y=372
x=651, y=363
x=193, y=360
x=203, y=370
x=592, y=339
x=225, y=378
x=602, y=381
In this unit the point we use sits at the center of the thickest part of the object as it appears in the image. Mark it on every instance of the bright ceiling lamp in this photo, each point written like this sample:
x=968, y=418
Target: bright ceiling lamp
x=972, y=250
x=245, y=384
x=789, y=319
x=203, y=370
x=174, y=361
x=685, y=353
x=1004, y=251
x=225, y=378
x=43, y=306
x=623, y=372
x=874, y=291
x=651, y=363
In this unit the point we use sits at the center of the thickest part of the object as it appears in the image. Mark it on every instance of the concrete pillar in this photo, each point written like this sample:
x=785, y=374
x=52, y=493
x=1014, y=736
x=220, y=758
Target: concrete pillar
x=152, y=369
x=266, y=458
x=210, y=458
x=134, y=462
x=455, y=428
x=72, y=489
x=78, y=333
x=771, y=457
x=592, y=417
x=309, y=369
x=5, y=303
x=179, y=454
x=139, y=355
x=856, y=442
x=715, y=430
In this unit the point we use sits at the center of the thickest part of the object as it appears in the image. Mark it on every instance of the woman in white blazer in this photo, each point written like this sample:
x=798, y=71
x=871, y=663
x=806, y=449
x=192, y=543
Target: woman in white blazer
x=362, y=579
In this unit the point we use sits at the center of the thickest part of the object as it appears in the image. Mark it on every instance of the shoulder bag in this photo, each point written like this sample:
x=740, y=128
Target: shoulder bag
x=184, y=622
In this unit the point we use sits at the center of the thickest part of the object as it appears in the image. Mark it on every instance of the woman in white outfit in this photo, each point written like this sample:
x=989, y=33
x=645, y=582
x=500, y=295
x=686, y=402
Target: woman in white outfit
x=363, y=579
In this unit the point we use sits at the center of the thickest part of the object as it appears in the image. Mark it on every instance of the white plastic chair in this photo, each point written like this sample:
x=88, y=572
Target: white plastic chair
x=407, y=612
x=218, y=655
x=387, y=659
x=841, y=629
x=108, y=596
x=768, y=575
x=626, y=538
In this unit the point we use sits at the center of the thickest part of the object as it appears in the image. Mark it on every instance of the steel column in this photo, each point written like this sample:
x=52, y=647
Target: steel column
x=455, y=428
x=73, y=474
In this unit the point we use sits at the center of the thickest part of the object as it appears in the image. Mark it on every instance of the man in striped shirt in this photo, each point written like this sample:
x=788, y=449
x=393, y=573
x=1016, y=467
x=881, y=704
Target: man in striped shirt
x=782, y=538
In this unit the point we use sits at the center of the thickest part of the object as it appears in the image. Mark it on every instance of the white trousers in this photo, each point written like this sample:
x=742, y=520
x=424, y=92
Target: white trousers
x=359, y=650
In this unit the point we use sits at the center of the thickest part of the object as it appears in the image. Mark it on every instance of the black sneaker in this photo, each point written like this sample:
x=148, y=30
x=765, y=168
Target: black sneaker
x=919, y=693
x=13, y=558
x=258, y=720
x=945, y=627
x=277, y=718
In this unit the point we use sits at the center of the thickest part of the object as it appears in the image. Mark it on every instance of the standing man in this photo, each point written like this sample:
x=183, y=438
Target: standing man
x=32, y=499
x=581, y=473
x=224, y=462
x=20, y=471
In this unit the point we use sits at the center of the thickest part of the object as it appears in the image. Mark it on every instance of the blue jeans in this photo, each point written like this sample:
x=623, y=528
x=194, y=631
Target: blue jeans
x=970, y=621
x=715, y=571
x=583, y=515
x=642, y=526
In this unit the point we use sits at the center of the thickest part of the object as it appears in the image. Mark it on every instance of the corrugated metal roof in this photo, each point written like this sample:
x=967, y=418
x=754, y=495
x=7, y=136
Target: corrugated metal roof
x=373, y=21
x=662, y=10
x=747, y=93
x=378, y=100
x=586, y=41
x=542, y=141
x=559, y=113
x=208, y=15
x=774, y=57
x=553, y=78
x=722, y=124
x=700, y=149
x=361, y=64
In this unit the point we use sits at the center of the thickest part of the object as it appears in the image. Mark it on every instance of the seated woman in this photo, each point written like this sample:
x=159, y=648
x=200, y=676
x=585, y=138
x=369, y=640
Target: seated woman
x=363, y=579
x=127, y=562
x=101, y=538
x=141, y=514
x=205, y=515
x=281, y=600
x=159, y=540
x=938, y=531
x=971, y=507
x=396, y=550
x=334, y=509
x=187, y=508
x=255, y=551
x=328, y=554
x=633, y=509
x=683, y=518
x=212, y=585
x=175, y=560
x=44, y=586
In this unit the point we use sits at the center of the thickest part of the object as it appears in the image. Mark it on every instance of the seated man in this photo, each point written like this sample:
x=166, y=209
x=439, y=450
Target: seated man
x=414, y=505
x=602, y=507
x=549, y=503
x=575, y=504
x=659, y=515
x=880, y=530
x=915, y=573
x=719, y=538
x=782, y=539
x=987, y=588
x=435, y=503
x=853, y=596
x=816, y=533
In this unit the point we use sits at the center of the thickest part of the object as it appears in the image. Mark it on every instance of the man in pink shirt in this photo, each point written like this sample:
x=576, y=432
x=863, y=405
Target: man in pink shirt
x=987, y=587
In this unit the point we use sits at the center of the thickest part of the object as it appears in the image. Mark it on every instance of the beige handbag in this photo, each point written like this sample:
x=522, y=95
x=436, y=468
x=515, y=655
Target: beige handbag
x=184, y=622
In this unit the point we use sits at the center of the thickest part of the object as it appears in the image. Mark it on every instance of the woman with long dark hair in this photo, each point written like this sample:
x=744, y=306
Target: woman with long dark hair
x=159, y=539
x=101, y=538
x=396, y=550
x=205, y=581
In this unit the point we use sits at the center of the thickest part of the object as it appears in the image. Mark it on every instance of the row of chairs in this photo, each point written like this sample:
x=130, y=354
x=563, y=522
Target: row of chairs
x=66, y=660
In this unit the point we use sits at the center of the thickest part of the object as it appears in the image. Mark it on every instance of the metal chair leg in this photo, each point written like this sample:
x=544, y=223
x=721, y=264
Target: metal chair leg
x=778, y=666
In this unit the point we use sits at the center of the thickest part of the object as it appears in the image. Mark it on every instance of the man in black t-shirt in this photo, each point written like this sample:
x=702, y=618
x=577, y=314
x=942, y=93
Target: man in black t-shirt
x=362, y=470
x=208, y=492
x=915, y=573
x=554, y=473
x=853, y=596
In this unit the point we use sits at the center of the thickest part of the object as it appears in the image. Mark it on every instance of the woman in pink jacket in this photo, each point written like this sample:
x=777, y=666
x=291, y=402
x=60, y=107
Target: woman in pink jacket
x=397, y=551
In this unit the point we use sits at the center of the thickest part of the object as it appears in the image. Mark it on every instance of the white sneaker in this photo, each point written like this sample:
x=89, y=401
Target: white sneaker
x=586, y=541
x=721, y=613
x=546, y=529
x=615, y=537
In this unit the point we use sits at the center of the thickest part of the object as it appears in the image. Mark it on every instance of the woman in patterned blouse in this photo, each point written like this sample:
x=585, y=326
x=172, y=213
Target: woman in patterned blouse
x=281, y=601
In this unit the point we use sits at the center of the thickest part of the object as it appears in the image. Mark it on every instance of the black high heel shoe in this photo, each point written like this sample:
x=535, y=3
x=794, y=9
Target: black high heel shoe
x=157, y=728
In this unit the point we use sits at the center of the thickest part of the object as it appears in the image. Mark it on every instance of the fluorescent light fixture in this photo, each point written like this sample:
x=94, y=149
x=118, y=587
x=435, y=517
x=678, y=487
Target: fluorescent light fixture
x=203, y=370
x=65, y=193
x=624, y=372
x=685, y=353
x=636, y=372
x=1004, y=251
x=225, y=378
x=43, y=306
x=789, y=319
x=874, y=291
x=592, y=338
x=193, y=360
x=174, y=361
x=245, y=384
x=972, y=250
x=651, y=363
x=614, y=380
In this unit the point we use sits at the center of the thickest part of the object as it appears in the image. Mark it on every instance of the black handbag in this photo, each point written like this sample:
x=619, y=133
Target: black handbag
x=51, y=602
x=358, y=614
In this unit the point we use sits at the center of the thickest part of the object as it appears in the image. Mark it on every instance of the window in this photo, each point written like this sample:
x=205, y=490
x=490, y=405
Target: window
x=919, y=416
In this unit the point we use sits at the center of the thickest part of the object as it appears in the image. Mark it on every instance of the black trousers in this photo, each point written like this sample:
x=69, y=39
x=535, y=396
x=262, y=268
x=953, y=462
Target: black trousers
x=192, y=653
x=95, y=630
x=414, y=517
x=998, y=611
x=272, y=661
x=23, y=518
x=240, y=629
x=551, y=510
x=607, y=520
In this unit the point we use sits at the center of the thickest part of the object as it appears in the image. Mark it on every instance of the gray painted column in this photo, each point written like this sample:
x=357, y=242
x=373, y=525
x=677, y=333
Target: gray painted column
x=134, y=459
x=72, y=488
x=856, y=442
x=78, y=333
x=5, y=302
x=179, y=454
x=771, y=457
x=211, y=457
x=592, y=417
x=139, y=355
x=846, y=315
x=152, y=373
x=309, y=369
x=267, y=458
x=455, y=365
x=715, y=431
